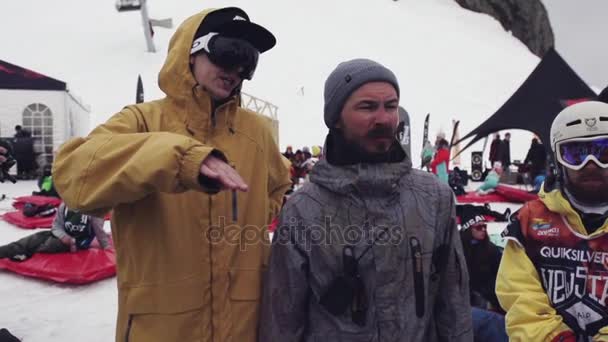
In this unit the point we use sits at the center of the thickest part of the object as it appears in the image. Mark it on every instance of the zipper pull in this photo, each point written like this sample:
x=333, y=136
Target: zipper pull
x=418, y=258
x=415, y=244
x=235, y=208
x=418, y=276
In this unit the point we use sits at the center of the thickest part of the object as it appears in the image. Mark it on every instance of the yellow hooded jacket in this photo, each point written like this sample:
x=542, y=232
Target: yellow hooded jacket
x=530, y=314
x=187, y=270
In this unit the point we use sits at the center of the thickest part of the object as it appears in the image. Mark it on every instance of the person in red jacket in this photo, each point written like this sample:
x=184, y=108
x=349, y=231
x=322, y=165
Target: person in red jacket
x=441, y=162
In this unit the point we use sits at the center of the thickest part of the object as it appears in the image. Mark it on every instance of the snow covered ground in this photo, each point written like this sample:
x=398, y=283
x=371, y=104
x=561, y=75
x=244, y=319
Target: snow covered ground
x=37, y=311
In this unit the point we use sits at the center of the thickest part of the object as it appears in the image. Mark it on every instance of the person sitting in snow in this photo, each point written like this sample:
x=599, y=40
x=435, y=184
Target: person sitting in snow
x=482, y=259
x=491, y=181
x=45, y=183
x=71, y=231
x=552, y=277
x=457, y=182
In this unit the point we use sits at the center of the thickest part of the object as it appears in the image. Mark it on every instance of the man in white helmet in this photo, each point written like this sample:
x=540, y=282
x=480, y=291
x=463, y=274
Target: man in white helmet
x=553, y=277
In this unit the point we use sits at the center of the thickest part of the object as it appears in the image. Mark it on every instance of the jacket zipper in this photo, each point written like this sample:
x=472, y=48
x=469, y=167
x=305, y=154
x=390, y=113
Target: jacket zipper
x=211, y=270
x=418, y=275
x=128, y=328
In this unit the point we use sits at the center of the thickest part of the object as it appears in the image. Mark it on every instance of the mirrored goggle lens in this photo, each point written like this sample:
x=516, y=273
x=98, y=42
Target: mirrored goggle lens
x=576, y=152
x=232, y=53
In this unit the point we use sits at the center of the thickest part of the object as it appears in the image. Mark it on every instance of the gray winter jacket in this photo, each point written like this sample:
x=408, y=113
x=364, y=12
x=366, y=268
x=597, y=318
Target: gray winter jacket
x=415, y=274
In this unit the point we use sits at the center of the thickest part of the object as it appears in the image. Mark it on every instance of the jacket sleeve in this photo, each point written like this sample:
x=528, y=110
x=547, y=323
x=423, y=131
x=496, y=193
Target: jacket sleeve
x=530, y=316
x=58, y=229
x=453, y=309
x=435, y=161
x=441, y=156
x=602, y=335
x=285, y=295
x=278, y=180
x=121, y=162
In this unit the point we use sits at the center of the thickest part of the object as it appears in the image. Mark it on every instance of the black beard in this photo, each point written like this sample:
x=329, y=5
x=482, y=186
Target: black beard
x=341, y=151
x=591, y=198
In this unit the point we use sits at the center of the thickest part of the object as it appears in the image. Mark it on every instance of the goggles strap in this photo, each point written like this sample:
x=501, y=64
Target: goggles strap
x=202, y=43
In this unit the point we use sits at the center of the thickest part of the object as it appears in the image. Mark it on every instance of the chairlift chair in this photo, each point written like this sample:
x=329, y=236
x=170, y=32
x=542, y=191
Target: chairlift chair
x=128, y=5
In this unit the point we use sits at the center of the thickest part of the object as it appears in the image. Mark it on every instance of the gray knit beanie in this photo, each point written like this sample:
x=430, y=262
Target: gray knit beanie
x=348, y=77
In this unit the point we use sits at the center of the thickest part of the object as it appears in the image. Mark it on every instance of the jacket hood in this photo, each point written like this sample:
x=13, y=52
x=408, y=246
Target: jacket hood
x=175, y=78
x=374, y=180
x=556, y=202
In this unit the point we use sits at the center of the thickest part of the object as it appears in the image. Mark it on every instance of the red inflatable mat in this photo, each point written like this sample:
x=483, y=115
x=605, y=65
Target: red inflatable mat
x=515, y=195
x=473, y=197
x=18, y=219
x=19, y=202
x=81, y=267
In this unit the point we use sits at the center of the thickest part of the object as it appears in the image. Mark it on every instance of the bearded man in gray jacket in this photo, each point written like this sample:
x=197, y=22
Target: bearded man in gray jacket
x=368, y=250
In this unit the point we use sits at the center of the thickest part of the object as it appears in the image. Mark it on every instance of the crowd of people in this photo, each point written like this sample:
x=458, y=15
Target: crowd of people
x=368, y=249
x=436, y=159
x=301, y=162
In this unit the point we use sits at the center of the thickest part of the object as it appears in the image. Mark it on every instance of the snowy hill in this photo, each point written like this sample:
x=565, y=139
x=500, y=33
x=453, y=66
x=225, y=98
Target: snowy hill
x=450, y=62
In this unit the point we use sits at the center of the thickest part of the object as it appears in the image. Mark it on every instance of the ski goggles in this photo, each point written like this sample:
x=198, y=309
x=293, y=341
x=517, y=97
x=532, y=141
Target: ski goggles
x=228, y=53
x=576, y=153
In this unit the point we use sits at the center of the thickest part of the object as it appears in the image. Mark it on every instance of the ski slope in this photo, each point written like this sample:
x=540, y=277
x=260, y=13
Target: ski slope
x=450, y=62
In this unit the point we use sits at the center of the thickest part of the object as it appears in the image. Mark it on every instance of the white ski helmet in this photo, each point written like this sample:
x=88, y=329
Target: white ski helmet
x=584, y=119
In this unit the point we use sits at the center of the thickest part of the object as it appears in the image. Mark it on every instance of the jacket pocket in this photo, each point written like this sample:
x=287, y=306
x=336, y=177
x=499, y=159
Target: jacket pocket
x=180, y=296
x=160, y=327
x=128, y=333
x=245, y=295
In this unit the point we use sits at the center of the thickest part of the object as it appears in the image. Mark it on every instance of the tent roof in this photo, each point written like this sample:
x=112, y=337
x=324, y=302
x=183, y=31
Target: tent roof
x=550, y=87
x=15, y=77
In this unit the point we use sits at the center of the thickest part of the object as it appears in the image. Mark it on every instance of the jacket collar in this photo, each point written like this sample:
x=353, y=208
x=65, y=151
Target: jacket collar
x=556, y=202
x=202, y=117
x=371, y=180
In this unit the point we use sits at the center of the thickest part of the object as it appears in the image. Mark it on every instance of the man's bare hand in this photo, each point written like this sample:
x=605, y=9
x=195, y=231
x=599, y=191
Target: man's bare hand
x=216, y=169
x=2, y=153
x=69, y=241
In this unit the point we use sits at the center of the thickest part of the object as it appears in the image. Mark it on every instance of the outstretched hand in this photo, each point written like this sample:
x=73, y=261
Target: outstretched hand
x=218, y=170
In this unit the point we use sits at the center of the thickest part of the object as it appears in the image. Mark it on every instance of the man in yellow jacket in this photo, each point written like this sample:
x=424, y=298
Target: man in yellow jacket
x=553, y=277
x=190, y=250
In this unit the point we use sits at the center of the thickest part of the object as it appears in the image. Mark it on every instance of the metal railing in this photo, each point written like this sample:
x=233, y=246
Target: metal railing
x=260, y=106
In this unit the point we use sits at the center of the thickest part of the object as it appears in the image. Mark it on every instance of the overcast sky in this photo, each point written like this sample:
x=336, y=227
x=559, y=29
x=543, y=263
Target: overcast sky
x=580, y=28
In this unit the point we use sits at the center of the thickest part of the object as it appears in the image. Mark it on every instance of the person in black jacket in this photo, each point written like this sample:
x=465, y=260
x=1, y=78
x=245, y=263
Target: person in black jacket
x=483, y=258
x=494, y=149
x=536, y=158
x=504, y=152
